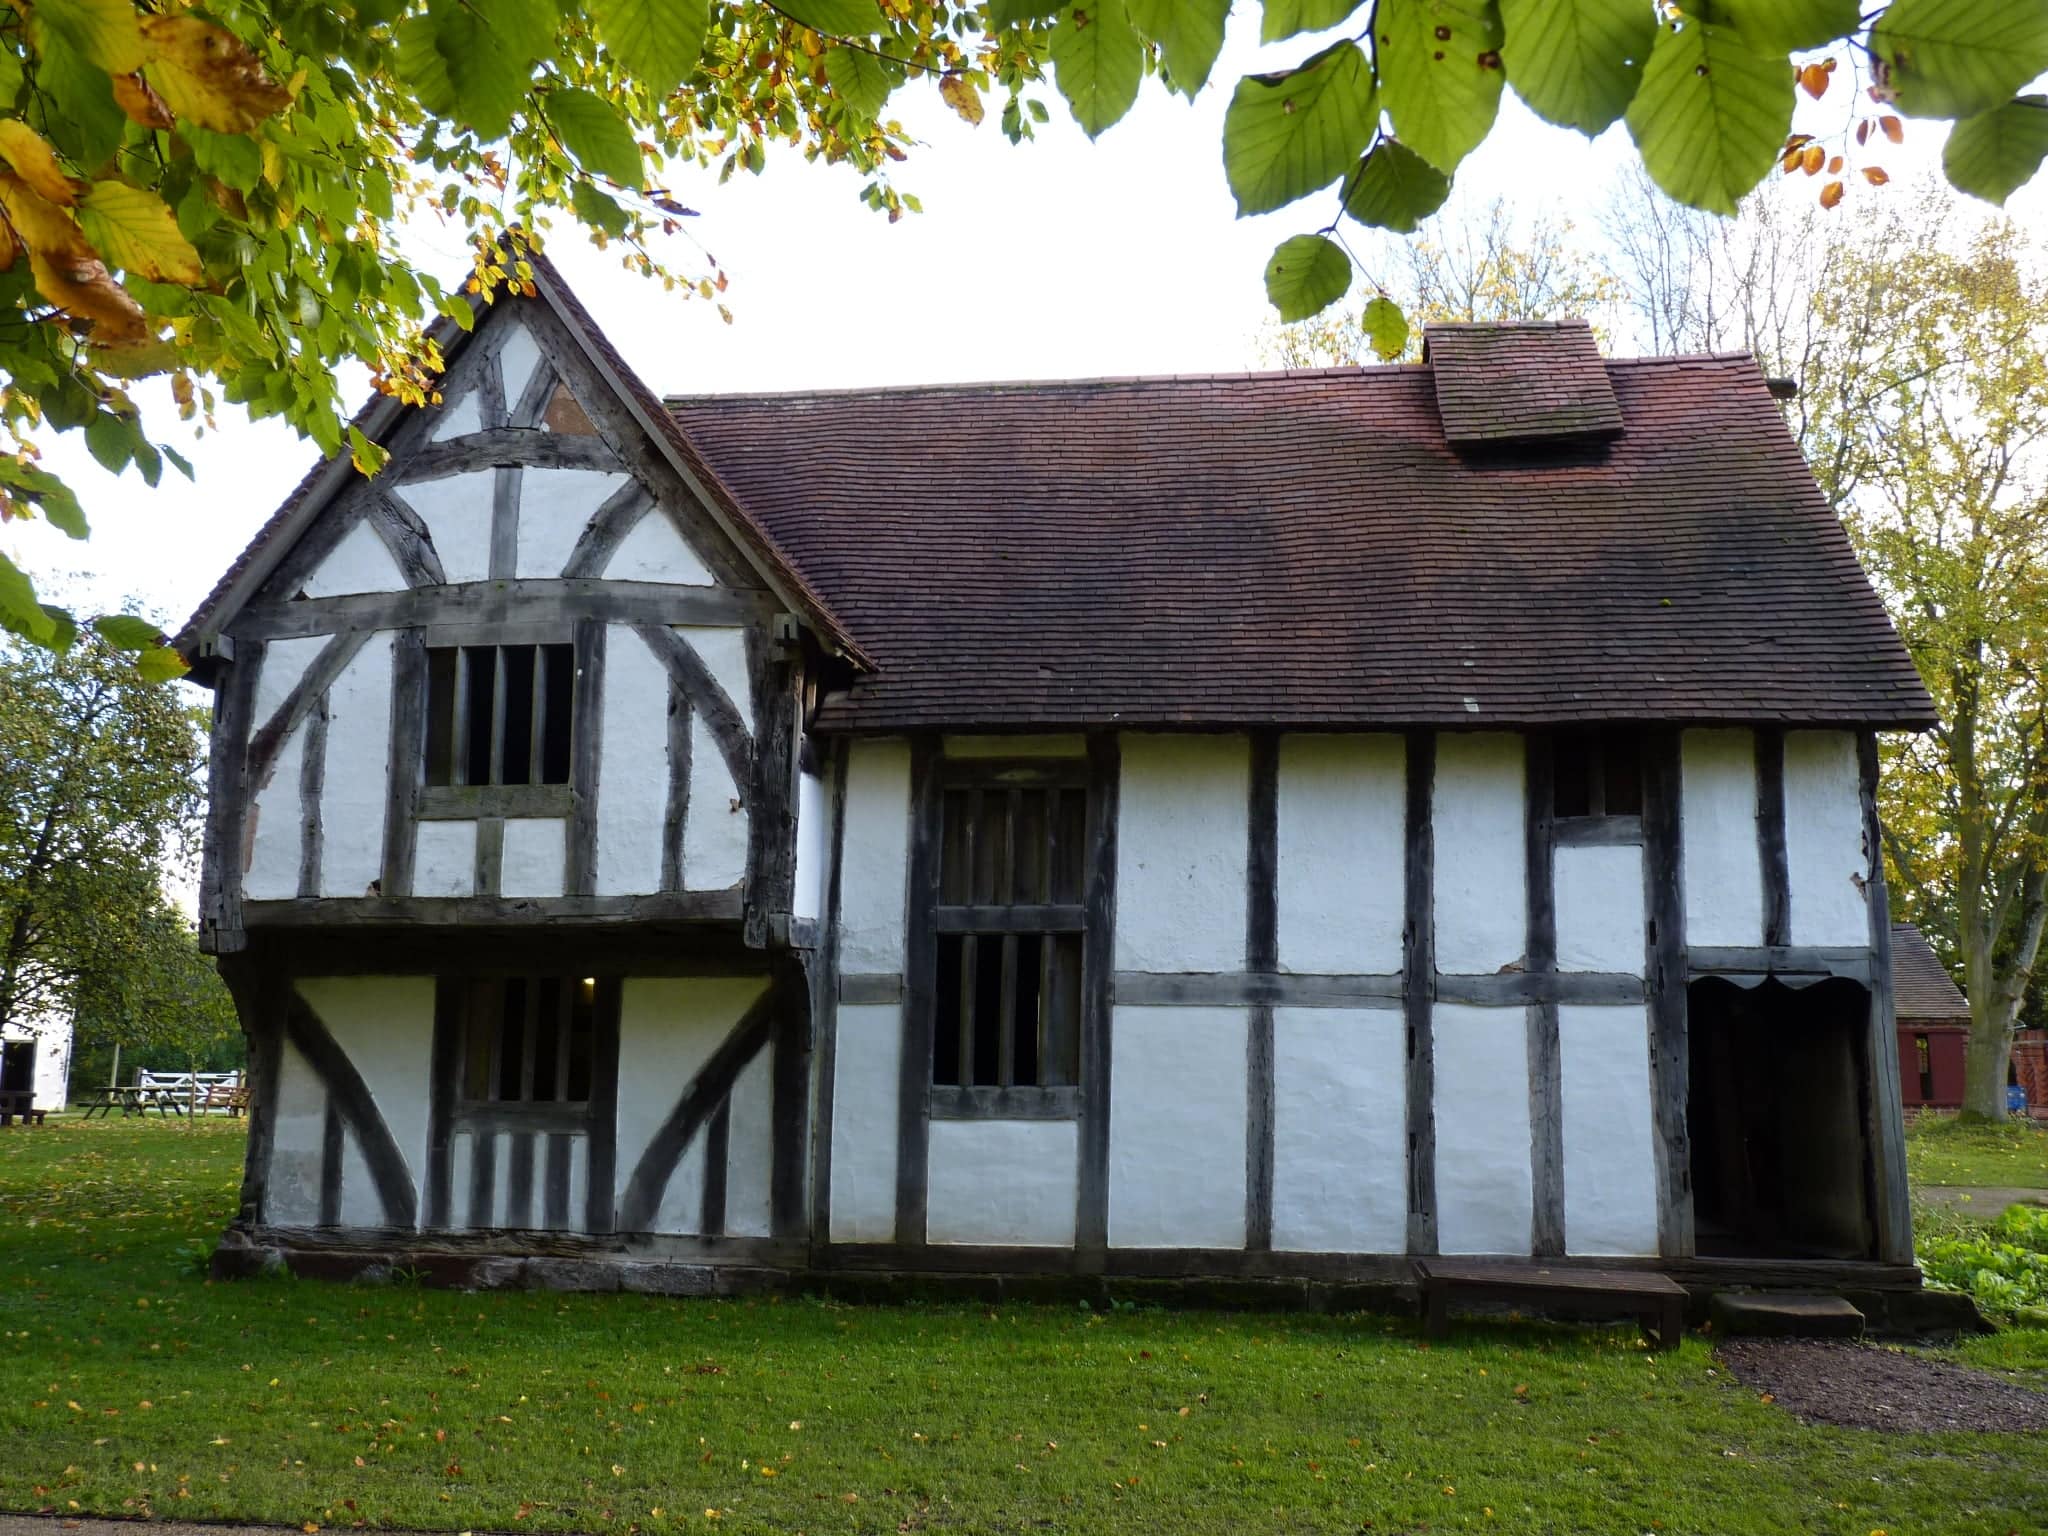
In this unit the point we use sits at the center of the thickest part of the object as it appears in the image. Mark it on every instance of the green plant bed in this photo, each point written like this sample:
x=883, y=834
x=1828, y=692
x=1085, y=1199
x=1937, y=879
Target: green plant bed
x=136, y=1387
x=2010, y=1154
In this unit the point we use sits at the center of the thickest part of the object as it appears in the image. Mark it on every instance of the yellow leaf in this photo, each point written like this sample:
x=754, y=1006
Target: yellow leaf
x=208, y=76
x=39, y=223
x=1831, y=194
x=133, y=95
x=35, y=162
x=959, y=94
x=135, y=231
x=85, y=290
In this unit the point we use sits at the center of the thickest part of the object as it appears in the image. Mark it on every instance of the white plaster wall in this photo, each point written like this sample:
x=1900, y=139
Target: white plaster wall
x=715, y=831
x=517, y=358
x=668, y=1028
x=1177, y=1128
x=1599, y=902
x=457, y=512
x=868, y=1051
x=1610, y=1160
x=1723, y=872
x=360, y=1203
x=1340, y=1130
x=532, y=861
x=444, y=859
x=1003, y=1182
x=555, y=506
x=723, y=650
x=653, y=550
x=272, y=870
x=358, y=563
x=1484, y=1199
x=283, y=663
x=352, y=792
x=1182, y=825
x=385, y=1025
x=874, y=857
x=1481, y=852
x=750, y=1151
x=813, y=847
x=1824, y=856
x=298, y=1128
x=1342, y=854
x=463, y=416
x=632, y=771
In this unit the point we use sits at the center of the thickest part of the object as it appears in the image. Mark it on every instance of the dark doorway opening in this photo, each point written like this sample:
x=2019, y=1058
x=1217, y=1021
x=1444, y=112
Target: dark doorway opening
x=1777, y=1113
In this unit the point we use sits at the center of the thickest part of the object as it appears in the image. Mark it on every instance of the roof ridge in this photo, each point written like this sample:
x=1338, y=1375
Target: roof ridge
x=1120, y=381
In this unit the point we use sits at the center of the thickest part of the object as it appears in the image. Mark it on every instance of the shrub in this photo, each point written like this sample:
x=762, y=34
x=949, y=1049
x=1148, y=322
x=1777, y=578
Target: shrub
x=2004, y=1268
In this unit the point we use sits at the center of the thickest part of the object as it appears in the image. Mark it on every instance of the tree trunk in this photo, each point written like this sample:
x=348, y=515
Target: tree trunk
x=1986, y=1058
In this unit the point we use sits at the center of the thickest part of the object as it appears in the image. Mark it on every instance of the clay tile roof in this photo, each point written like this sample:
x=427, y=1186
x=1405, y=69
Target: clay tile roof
x=1527, y=382
x=1308, y=549
x=1922, y=990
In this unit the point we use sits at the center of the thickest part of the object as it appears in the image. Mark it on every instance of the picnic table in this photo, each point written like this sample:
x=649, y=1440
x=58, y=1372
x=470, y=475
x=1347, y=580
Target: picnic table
x=19, y=1101
x=133, y=1100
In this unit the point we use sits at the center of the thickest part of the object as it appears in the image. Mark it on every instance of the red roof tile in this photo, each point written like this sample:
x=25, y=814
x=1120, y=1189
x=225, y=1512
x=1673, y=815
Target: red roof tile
x=1922, y=990
x=1308, y=549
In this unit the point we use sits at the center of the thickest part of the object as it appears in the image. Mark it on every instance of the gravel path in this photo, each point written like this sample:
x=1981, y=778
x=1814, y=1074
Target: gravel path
x=1865, y=1386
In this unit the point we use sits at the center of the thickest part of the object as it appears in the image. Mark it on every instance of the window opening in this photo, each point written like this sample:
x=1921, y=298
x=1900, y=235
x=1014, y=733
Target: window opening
x=1597, y=773
x=526, y=1039
x=1924, y=1056
x=1011, y=927
x=499, y=714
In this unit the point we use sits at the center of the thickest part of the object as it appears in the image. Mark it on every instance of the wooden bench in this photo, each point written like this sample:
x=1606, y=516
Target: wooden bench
x=1657, y=1302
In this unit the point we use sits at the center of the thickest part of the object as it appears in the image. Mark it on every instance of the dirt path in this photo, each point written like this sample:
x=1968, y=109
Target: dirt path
x=1985, y=1200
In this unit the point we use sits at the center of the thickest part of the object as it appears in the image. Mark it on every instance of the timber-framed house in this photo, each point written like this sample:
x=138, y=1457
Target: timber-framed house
x=1256, y=828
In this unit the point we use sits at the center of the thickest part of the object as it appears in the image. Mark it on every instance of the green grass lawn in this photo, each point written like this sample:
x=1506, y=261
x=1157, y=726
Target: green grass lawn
x=1940, y=1149
x=133, y=1386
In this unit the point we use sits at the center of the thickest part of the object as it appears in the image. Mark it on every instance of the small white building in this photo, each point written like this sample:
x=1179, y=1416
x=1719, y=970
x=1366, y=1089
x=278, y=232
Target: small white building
x=1263, y=828
x=35, y=1057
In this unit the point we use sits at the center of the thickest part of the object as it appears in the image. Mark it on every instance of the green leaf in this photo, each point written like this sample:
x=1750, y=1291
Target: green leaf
x=126, y=632
x=1784, y=25
x=597, y=208
x=422, y=68
x=1577, y=62
x=1011, y=13
x=862, y=80
x=1287, y=135
x=596, y=135
x=1097, y=61
x=658, y=40
x=1957, y=58
x=1385, y=327
x=1306, y=276
x=20, y=613
x=489, y=54
x=1440, y=74
x=111, y=441
x=1995, y=153
x=835, y=18
x=160, y=664
x=1711, y=115
x=1285, y=18
x=107, y=32
x=1395, y=188
x=1189, y=34
x=82, y=118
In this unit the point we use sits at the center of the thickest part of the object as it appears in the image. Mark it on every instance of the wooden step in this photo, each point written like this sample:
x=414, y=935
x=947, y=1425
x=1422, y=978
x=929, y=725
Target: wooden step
x=1656, y=1301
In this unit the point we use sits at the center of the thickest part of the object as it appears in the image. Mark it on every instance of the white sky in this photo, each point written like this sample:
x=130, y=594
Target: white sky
x=1056, y=259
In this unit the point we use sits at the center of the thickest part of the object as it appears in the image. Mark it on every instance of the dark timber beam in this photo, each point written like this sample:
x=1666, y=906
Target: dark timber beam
x=1546, y=1081
x=1666, y=972
x=1418, y=973
x=1885, y=1117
